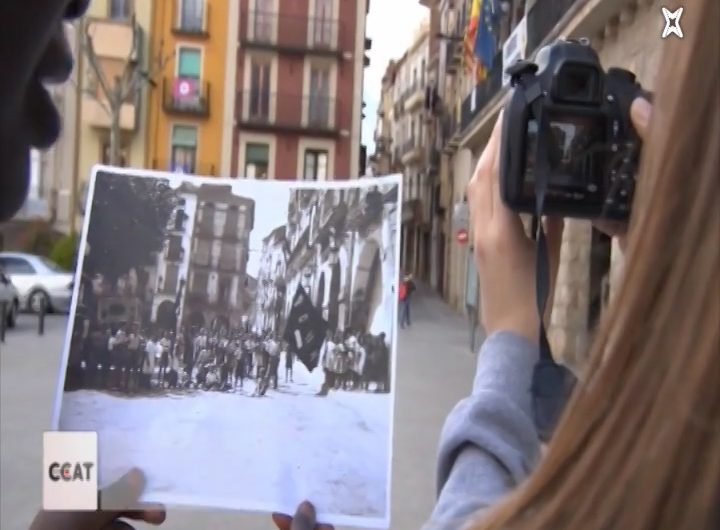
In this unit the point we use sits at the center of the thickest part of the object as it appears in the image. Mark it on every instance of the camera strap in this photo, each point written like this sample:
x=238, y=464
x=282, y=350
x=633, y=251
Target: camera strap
x=552, y=382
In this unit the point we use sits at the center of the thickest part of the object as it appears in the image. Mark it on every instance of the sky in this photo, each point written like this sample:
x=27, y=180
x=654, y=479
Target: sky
x=391, y=25
x=270, y=213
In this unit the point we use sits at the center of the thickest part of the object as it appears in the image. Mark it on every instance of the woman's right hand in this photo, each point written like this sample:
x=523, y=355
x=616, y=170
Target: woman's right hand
x=640, y=112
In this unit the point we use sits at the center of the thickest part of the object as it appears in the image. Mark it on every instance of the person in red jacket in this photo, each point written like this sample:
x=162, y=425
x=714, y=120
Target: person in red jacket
x=406, y=289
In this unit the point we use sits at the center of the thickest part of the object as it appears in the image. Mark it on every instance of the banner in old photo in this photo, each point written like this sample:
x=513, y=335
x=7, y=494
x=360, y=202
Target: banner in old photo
x=236, y=340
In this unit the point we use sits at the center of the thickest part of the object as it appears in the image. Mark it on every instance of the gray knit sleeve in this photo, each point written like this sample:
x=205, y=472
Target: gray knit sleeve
x=489, y=443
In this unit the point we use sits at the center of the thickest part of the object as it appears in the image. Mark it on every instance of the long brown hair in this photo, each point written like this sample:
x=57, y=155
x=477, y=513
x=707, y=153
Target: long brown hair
x=639, y=445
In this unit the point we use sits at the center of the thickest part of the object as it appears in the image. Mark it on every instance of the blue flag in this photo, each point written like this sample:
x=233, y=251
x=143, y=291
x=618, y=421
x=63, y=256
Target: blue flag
x=485, y=40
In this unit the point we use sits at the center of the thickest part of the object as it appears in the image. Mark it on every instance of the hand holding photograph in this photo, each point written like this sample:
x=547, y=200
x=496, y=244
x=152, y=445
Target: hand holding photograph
x=236, y=340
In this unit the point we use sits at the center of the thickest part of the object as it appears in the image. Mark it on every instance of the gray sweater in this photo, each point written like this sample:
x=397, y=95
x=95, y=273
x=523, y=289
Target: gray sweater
x=489, y=443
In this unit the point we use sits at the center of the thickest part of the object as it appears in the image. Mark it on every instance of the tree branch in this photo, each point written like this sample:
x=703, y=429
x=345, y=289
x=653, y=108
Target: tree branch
x=95, y=64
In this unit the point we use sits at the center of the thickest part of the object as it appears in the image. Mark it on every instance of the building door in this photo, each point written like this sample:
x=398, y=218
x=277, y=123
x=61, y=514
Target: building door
x=427, y=256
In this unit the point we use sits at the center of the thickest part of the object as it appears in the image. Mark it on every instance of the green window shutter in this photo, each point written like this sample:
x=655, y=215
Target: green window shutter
x=189, y=63
x=186, y=136
x=257, y=153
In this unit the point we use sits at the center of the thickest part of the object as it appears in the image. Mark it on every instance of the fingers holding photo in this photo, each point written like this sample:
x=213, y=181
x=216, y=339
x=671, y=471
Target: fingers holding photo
x=305, y=518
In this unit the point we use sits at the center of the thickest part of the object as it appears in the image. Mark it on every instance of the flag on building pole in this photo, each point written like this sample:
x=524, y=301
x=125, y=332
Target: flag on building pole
x=305, y=329
x=484, y=47
x=471, y=36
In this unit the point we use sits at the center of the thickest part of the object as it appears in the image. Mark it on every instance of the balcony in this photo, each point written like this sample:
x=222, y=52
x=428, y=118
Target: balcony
x=474, y=104
x=191, y=24
x=114, y=39
x=414, y=97
x=281, y=112
x=96, y=115
x=411, y=152
x=186, y=96
x=542, y=19
x=294, y=34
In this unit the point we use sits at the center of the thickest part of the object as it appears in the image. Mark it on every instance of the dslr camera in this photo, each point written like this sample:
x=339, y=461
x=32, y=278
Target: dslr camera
x=567, y=137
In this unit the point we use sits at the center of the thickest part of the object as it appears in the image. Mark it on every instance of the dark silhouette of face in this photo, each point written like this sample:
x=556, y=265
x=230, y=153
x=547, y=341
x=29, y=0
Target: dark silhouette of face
x=33, y=51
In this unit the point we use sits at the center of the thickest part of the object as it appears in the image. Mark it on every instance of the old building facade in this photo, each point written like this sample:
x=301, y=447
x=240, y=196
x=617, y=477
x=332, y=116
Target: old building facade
x=625, y=33
x=342, y=252
x=186, y=103
x=201, y=274
x=298, y=76
x=406, y=142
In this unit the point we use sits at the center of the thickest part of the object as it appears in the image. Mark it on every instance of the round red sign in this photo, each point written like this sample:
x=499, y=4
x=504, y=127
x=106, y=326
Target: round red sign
x=462, y=236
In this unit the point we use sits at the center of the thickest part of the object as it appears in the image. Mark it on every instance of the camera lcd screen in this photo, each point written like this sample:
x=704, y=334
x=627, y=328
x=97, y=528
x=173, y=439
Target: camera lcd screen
x=574, y=143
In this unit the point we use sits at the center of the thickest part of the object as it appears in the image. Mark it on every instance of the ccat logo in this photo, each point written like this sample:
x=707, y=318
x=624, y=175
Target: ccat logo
x=70, y=472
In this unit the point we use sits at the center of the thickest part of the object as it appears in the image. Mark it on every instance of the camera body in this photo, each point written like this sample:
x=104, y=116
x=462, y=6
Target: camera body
x=567, y=125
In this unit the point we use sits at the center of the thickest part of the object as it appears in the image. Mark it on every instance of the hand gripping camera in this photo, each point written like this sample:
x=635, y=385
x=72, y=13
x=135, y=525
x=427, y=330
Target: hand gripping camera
x=568, y=145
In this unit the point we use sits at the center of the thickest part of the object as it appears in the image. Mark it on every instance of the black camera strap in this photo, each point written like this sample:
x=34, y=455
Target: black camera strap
x=552, y=382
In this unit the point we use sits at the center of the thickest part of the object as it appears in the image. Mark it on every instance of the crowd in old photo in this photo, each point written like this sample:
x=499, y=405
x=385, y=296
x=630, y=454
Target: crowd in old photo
x=131, y=360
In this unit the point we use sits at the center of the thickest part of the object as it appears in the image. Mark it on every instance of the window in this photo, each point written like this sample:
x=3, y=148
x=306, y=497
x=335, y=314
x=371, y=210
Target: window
x=174, y=248
x=189, y=63
x=184, y=149
x=172, y=272
x=16, y=266
x=219, y=222
x=106, y=158
x=414, y=79
x=263, y=28
x=324, y=23
x=257, y=161
x=191, y=15
x=422, y=73
x=120, y=9
x=319, y=102
x=316, y=162
x=200, y=283
x=51, y=265
x=201, y=255
x=260, y=90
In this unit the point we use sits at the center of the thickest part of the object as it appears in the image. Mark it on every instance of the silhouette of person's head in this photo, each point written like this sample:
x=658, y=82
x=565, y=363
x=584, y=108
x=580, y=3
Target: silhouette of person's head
x=33, y=52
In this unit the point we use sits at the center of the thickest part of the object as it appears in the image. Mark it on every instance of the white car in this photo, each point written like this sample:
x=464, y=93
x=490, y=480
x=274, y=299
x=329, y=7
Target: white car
x=39, y=281
x=11, y=298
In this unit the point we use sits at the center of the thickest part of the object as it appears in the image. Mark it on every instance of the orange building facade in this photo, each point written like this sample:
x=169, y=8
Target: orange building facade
x=187, y=100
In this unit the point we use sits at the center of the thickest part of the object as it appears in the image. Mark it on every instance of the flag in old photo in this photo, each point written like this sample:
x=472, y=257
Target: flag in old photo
x=305, y=329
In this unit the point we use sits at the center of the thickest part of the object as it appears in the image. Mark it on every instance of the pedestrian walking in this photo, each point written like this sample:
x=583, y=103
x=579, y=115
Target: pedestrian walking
x=405, y=292
x=289, y=360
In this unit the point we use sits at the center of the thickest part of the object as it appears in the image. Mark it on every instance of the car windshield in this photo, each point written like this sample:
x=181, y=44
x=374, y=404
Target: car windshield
x=52, y=265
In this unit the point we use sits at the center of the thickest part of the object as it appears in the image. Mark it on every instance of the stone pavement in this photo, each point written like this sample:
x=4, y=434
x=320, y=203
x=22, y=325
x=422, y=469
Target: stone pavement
x=435, y=369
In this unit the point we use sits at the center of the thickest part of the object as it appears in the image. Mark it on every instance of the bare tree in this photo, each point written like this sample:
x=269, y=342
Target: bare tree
x=122, y=88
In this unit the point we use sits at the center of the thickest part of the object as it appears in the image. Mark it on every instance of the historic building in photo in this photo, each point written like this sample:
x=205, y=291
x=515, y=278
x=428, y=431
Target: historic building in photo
x=342, y=253
x=271, y=284
x=201, y=272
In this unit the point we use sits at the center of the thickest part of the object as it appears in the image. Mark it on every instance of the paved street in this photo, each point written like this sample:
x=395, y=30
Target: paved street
x=435, y=369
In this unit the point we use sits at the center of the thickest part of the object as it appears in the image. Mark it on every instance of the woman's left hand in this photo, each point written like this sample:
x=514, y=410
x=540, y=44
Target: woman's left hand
x=304, y=519
x=128, y=488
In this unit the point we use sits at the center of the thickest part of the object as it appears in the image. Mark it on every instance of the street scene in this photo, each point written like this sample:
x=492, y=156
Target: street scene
x=204, y=293
x=341, y=313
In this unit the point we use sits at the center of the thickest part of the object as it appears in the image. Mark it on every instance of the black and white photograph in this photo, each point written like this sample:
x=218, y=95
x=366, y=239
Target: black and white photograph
x=243, y=331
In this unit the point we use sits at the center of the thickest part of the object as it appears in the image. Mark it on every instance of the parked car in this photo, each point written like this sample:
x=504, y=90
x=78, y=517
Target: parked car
x=39, y=281
x=9, y=295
